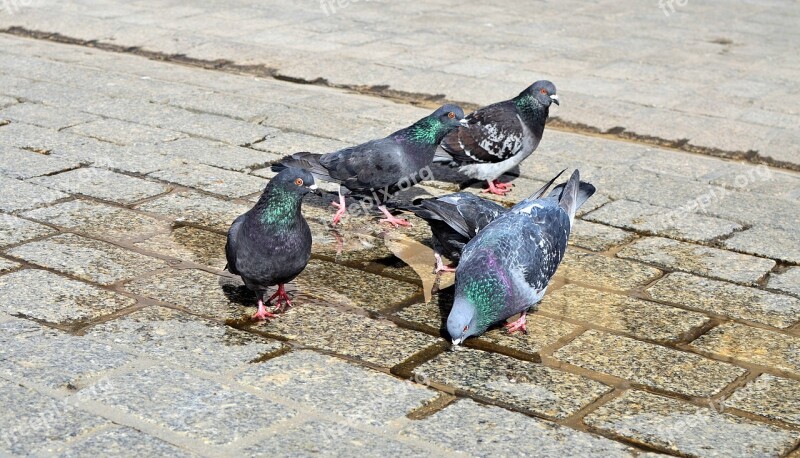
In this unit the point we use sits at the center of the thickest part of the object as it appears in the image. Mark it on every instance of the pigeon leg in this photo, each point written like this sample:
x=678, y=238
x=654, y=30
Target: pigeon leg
x=518, y=325
x=440, y=267
x=262, y=313
x=282, y=297
x=391, y=218
x=499, y=188
x=341, y=209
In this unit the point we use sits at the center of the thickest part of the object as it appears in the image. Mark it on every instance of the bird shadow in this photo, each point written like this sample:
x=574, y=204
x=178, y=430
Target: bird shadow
x=238, y=294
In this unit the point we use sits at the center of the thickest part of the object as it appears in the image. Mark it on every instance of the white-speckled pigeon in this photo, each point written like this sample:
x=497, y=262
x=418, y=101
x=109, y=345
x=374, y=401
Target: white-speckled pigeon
x=376, y=170
x=271, y=243
x=506, y=268
x=500, y=136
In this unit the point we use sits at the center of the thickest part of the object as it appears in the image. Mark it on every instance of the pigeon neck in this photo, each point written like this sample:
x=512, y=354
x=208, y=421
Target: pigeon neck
x=426, y=132
x=483, y=292
x=278, y=207
x=531, y=110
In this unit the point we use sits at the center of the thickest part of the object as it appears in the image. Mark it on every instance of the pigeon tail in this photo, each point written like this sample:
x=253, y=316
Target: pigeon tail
x=306, y=161
x=569, y=196
x=540, y=192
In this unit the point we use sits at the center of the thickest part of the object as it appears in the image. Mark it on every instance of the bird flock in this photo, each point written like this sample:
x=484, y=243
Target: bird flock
x=505, y=257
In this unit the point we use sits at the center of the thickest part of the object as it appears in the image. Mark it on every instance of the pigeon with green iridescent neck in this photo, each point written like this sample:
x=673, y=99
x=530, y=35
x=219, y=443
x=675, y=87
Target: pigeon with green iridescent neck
x=374, y=171
x=500, y=136
x=506, y=268
x=271, y=243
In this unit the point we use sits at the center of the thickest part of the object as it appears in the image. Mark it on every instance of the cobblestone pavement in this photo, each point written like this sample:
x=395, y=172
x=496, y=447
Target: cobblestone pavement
x=672, y=325
x=715, y=76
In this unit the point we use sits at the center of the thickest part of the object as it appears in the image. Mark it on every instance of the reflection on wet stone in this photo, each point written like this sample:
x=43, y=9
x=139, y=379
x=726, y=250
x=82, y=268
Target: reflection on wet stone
x=189, y=244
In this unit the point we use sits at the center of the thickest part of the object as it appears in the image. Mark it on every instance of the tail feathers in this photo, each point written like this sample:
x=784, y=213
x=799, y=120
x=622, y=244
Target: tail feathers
x=540, y=192
x=448, y=213
x=569, y=196
x=306, y=161
x=585, y=191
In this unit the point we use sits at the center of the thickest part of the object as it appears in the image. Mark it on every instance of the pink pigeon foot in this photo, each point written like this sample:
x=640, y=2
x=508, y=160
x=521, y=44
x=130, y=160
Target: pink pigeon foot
x=342, y=209
x=440, y=267
x=391, y=219
x=498, y=188
x=282, y=297
x=518, y=325
x=262, y=313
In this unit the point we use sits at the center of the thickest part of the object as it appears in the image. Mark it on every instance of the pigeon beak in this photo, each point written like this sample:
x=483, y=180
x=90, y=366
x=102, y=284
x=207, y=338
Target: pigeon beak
x=456, y=342
x=555, y=99
x=464, y=122
x=313, y=187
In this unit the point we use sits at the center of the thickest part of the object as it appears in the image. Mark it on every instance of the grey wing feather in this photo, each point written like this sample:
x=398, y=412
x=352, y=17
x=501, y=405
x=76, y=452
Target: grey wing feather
x=232, y=246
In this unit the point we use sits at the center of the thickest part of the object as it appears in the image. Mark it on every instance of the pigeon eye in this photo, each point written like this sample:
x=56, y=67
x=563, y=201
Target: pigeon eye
x=465, y=328
x=298, y=182
x=543, y=91
x=451, y=115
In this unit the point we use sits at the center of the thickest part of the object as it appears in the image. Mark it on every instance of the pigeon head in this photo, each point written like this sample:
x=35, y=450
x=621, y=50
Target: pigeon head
x=543, y=91
x=462, y=321
x=431, y=129
x=280, y=202
x=293, y=180
x=480, y=295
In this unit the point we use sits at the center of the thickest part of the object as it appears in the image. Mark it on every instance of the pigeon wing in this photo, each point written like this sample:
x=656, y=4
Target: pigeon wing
x=493, y=134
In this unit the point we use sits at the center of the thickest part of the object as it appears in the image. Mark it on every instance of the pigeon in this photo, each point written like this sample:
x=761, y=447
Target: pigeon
x=271, y=243
x=500, y=136
x=505, y=269
x=376, y=170
x=456, y=218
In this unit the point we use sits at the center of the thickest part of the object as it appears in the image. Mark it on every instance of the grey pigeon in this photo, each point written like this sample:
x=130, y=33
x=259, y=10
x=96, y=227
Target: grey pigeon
x=456, y=218
x=376, y=170
x=271, y=243
x=506, y=268
x=500, y=136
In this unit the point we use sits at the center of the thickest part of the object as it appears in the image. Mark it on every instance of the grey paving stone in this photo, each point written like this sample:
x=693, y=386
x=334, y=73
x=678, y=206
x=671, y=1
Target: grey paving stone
x=46, y=357
x=204, y=410
x=184, y=340
x=211, y=179
x=121, y=441
x=56, y=299
x=753, y=345
x=31, y=421
x=769, y=396
x=605, y=272
x=87, y=259
x=788, y=281
x=123, y=133
x=643, y=319
x=102, y=184
x=99, y=220
x=22, y=164
x=189, y=244
x=679, y=427
x=597, y=237
x=478, y=430
x=727, y=299
x=45, y=116
x=14, y=230
x=282, y=143
x=783, y=245
x=697, y=259
x=193, y=207
x=19, y=195
x=216, y=154
x=362, y=395
x=528, y=386
x=6, y=265
x=651, y=219
x=7, y=101
x=648, y=364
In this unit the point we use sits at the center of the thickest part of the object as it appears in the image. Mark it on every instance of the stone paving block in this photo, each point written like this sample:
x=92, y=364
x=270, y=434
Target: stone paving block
x=45, y=116
x=56, y=299
x=727, y=299
x=788, y=281
x=204, y=410
x=682, y=428
x=121, y=441
x=648, y=364
x=32, y=421
x=753, y=345
x=46, y=357
x=282, y=143
x=102, y=184
x=651, y=219
x=193, y=207
x=22, y=164
x=478, y=430
x=643, y=319
x=99, y=220
x=87, y=259
x=761, y=211
x=362, y=395
x=211, y=179
x=699, y=260
x=189, y=244
x=6, y=265
x=542, y=330
x=783, y=245
x=525, y=385
x=769, y=396
x=597, y=237
x=123, y=133
x=605, y=272
x=7, y=101
x=336, y=283
x=182, y=339
x=19, y=195
x=15, y=230
x=216, y=154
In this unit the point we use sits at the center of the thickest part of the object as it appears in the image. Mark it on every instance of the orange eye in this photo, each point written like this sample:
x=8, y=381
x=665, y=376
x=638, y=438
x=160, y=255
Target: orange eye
x=465, y=328
x=543, y=91
x=451, y=115
x=298, y=182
